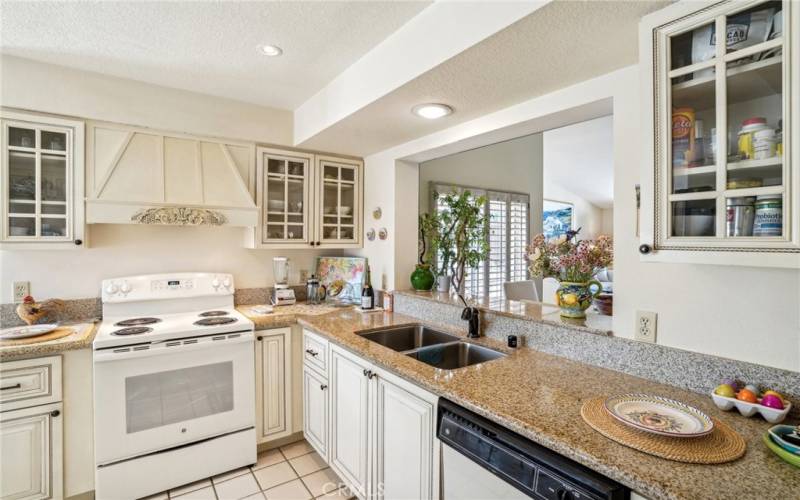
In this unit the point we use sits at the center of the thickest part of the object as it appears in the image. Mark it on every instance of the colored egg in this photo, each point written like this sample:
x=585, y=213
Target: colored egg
x=725, y=390
x=731, y=382
x=751, y=388
x=747, y=395
x=774, y=394
x=772, y=401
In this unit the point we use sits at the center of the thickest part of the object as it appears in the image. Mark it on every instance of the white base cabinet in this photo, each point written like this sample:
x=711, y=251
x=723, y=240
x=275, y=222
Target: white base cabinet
x=376, y=430
x=31, y=432
x=273, y=384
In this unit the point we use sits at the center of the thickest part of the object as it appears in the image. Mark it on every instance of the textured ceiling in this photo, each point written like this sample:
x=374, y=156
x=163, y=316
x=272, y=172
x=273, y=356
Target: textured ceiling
x=206, y=47
x=563, y=43
x=580, y=158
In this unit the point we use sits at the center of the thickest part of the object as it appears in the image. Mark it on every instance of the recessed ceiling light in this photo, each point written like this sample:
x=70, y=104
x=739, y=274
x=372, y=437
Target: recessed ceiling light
x=432, y=111
x=270, y=50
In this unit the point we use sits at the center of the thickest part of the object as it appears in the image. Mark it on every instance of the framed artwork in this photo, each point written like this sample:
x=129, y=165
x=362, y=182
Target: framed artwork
x=558, y=217
x=342, y=277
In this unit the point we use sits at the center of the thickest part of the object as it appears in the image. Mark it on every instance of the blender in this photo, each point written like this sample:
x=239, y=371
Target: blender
x=282, y=295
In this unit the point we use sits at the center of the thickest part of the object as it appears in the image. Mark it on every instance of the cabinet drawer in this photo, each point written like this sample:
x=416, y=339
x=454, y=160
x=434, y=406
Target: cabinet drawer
x=30, y=382
x=315, y=352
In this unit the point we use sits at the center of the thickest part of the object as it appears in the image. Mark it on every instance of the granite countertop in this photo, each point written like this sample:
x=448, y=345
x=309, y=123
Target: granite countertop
x=522, y=309
x=540, y=396
x=82, y=336
x=284, y=315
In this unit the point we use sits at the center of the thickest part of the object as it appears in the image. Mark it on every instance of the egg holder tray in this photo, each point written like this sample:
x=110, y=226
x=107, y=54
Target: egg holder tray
x=771, y=415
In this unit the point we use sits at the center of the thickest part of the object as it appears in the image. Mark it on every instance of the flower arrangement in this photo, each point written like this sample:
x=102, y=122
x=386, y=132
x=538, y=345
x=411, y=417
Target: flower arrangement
x=568, y=259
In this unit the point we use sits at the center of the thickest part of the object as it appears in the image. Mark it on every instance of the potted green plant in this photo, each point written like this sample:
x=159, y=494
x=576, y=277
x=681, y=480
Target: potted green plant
x=464, y=241
x=423, y=278
x=573, y=263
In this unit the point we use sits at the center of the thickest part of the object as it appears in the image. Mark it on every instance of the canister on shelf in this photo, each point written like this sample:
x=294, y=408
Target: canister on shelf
x=744, y=183
x=769, y=215
x=749, y=127
x=764, y=144
x=682, y=136
x=740, y=216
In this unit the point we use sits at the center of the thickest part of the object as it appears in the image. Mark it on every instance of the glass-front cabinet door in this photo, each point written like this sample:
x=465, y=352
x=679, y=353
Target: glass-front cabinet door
x=725, y=89
x=284, y=193
x=38, y=182
x=339, y=202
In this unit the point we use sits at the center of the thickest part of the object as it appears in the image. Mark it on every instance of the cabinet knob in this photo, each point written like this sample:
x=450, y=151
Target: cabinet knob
x=322, y=387
x=367, y=372
x=259, y=338
x=312, y=352
x=645, y=249
x=55, y=413
x=79, y=242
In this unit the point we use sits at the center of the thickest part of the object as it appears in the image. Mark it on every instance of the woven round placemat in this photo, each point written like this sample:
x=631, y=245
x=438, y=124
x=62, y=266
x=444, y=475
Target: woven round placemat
x=723, y=444
x=60, y=332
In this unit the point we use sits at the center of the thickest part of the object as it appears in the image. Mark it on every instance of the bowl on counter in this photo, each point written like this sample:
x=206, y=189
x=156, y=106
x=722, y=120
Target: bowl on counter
x=778, y=434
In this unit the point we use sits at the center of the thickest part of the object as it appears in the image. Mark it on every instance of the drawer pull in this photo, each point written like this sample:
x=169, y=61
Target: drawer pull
x=312, y=352
x=55, y=413
x=8, y=387
x=372, y=375
x=367, y=373
x=322, y=387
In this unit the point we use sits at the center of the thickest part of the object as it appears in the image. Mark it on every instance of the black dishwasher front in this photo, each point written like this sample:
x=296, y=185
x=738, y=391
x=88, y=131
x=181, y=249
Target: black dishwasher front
x=531, y=468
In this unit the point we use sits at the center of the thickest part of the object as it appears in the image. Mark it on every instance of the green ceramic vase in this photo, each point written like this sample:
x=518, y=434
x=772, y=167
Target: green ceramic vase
x=574, y=298
x=422, y=278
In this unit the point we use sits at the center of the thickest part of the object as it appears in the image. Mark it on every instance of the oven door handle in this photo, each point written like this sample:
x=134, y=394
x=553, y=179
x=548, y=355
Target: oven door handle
x=162, y=348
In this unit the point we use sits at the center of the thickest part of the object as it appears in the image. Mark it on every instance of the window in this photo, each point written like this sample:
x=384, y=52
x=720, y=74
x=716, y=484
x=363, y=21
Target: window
x=509, y=228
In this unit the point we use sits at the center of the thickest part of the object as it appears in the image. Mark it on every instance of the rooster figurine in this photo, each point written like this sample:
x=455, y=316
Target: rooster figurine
x=31, y=311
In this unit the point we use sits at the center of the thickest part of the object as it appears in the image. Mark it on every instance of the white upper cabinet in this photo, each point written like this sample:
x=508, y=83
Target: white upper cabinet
x=41, y=180
x=721, y=176
x=142, y=176
x=340, y=200
x=306, y=200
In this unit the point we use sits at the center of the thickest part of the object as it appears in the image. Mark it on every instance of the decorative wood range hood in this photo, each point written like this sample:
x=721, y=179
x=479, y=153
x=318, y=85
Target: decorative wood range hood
x=142, y=176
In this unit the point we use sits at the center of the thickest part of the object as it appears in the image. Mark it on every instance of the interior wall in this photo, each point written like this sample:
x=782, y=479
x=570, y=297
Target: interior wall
x=745, y=313
x=514, y=165
x=47, y=88
x=122, y=250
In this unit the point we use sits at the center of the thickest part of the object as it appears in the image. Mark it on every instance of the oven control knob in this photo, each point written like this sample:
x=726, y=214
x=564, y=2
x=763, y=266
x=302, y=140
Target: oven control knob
x=215, y=283
x=227, y=282
x=112, y=288
x=125, y=287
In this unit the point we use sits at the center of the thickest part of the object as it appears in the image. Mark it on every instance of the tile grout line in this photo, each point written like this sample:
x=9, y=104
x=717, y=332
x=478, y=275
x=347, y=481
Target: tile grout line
x=298, y=476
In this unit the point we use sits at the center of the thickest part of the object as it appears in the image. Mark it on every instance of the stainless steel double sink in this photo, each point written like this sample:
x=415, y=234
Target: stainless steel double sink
x=432, y=347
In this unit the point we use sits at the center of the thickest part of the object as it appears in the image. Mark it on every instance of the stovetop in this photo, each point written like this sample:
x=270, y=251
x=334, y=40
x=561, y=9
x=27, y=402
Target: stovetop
x=120, y=331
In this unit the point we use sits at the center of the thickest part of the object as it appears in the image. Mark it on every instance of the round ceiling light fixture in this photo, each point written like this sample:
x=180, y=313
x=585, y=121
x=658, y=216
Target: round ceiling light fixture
x=270, y=50
x=432, y=110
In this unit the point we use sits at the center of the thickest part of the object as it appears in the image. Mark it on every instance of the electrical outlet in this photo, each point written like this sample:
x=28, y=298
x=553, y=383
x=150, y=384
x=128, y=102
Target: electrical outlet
x=645, y=326
x=21, y=289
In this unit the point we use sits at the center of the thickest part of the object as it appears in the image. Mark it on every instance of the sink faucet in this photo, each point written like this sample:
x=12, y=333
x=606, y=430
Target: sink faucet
x=473, y=315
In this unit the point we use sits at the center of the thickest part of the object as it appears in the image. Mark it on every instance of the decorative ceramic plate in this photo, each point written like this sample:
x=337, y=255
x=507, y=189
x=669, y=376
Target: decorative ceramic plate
x=783, y=454
x=23, y=332
x=659, y=415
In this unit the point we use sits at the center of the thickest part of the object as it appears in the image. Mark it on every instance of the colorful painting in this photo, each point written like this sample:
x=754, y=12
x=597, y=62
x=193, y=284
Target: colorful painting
x=342, y=276
x=558, y=217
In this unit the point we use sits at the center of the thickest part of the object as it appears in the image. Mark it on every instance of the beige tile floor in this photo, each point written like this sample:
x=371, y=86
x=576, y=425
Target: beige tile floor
x=291, y=472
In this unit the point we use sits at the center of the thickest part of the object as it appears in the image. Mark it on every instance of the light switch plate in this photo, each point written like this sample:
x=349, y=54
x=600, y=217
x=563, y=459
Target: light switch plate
x=646, y=326
x=21, y=289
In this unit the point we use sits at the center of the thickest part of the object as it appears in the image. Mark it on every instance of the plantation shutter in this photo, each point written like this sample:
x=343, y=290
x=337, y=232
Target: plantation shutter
x=508, y=233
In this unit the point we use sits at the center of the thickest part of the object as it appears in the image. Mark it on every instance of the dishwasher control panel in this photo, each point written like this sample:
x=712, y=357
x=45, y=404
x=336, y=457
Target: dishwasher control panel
x=531, y=468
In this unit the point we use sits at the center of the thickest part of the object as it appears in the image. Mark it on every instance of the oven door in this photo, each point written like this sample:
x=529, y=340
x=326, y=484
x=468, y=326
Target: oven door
x=155, y=397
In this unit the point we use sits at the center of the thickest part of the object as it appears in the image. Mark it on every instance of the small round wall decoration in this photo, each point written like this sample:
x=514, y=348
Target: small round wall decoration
x=371, y=234
x=383, y=233
x=377, y=213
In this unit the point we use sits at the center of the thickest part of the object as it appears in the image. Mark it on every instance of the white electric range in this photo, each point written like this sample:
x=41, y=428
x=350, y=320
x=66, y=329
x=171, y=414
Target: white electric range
x=174, y=383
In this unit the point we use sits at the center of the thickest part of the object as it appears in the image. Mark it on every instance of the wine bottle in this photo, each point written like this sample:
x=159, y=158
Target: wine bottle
x=367, y=294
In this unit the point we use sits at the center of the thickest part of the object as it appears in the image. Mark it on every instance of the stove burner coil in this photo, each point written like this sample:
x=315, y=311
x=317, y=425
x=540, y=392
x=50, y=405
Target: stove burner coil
x=211, y=314
x=214, y=321
x=137, y=322
x=133, y=330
